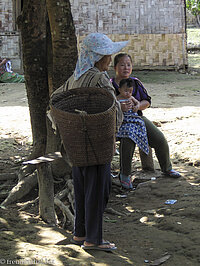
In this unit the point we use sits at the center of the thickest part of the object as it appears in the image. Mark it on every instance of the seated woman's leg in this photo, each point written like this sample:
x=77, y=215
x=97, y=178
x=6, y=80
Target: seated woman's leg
x=158, y=141
x=127, y=147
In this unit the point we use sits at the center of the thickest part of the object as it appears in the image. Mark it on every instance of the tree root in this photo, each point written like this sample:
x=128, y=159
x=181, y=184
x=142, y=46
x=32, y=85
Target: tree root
x=29, y=180
x=25, y=171
x=65, y=210
x=21, y=189
x=69, y=192
x=7, y=176
x=112, y=211
x=28, y=203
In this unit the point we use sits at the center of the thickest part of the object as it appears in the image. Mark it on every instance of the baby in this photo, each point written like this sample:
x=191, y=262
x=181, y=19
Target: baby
x=133, y=126
x=126, y=87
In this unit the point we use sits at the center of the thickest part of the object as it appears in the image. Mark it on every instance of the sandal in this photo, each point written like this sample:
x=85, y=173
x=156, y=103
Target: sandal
x=77, y=242
x=125, y=181
x=108, y=247
x=172, y=173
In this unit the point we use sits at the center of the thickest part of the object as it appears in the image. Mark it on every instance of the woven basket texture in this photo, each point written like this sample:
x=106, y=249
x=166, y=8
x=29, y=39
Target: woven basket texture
x=86, y=119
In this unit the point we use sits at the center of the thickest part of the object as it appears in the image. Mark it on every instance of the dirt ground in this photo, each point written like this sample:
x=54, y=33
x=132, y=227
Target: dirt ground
x=147, y=231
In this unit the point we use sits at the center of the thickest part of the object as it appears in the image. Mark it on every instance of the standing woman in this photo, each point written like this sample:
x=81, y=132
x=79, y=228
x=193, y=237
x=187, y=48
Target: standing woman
x=92, y=183
x=123, y=69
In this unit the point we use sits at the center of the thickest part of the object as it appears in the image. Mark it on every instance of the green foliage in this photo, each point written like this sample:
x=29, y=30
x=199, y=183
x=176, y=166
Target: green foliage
x=193, y=6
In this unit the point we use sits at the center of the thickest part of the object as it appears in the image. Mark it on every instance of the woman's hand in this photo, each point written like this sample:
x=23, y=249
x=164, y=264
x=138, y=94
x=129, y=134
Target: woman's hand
x=136, y=104
x=144, y=104
x=136, y=107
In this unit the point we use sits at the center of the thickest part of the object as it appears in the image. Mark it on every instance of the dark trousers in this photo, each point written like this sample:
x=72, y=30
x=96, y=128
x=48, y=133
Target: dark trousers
x=156, y=140
x=92, y=186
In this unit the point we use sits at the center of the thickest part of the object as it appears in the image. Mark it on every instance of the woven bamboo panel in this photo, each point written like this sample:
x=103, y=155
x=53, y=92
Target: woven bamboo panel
x=154, y=50
x=6, y=15
x=9, y=37
x=128, y=16
x=10, y=48
x=156, y=29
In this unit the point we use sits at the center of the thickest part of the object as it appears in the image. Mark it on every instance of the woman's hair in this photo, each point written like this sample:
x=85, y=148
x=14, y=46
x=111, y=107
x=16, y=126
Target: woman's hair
x=118, y=56
x=130, y=83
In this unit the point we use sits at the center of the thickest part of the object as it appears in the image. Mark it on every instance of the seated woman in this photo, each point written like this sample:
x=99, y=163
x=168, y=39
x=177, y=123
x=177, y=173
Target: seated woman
x=133, y=127
x=156, y=139
x=6, y=73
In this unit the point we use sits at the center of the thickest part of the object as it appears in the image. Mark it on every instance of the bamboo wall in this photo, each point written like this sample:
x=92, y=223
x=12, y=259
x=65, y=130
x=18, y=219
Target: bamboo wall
x=9, y=35
x=155, y=29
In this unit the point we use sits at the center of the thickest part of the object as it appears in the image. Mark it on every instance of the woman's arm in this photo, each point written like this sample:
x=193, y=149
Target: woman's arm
x=143, y=105
x=136, y=104
x=142, y=94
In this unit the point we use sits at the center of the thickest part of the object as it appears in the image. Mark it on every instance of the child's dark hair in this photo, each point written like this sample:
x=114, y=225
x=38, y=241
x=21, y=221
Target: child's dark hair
x=120, y=55
x=130, y=83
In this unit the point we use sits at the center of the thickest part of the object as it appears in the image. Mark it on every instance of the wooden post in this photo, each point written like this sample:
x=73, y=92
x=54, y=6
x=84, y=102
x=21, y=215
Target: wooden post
x=46, y=193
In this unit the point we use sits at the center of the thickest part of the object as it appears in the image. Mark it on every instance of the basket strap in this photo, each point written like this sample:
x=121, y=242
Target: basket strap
x=95, y=79
x=87, y=137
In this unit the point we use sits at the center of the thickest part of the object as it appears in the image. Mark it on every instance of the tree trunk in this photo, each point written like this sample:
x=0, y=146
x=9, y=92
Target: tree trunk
x=63, y=41
x=198, y=20
x=62, y=57
x=63, y=46
x=49, y=58
x=33, y=29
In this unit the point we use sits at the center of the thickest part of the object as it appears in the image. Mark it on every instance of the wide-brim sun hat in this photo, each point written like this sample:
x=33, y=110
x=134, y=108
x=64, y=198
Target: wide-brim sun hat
x=102, y=44
x=92, y=49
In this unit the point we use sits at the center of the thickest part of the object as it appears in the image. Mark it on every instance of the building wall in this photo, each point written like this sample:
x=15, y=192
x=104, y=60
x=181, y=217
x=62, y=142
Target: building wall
x=9, y=35
x=156, y=29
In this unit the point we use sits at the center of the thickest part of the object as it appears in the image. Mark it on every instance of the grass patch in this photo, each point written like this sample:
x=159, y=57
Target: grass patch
x=194, y=59
x=162, y=77
x=193, y=36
